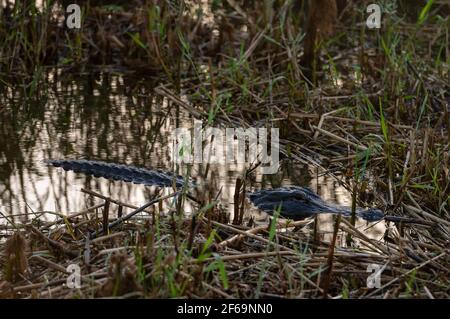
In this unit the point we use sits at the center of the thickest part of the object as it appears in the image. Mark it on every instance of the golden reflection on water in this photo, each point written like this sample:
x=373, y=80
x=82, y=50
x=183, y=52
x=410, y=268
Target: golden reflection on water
x=113, y=118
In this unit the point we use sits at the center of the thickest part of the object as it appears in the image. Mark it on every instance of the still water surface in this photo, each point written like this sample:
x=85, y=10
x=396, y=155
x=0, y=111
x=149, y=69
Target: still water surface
x=114, y=118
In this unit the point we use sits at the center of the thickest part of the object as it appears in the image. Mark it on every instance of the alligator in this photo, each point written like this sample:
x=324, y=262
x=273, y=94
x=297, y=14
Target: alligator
x=293, y=202
x=119, y=172
x=297, y=203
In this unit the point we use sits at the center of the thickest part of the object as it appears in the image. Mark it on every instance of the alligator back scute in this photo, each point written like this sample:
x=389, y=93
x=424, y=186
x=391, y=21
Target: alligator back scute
x=119, y=172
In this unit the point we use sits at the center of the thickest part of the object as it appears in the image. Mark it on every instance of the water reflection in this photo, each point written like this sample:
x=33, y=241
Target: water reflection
x=114, y=118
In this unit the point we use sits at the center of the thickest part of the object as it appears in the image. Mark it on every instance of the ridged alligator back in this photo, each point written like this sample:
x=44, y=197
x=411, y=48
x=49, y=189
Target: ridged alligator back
x=119, y=172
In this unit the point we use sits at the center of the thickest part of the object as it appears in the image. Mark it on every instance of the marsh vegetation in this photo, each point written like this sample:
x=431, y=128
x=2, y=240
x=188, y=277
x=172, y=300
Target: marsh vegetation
x=363, y=120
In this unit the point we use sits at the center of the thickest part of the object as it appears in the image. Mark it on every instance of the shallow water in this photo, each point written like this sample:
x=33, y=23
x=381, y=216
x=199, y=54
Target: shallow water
x=113, y=118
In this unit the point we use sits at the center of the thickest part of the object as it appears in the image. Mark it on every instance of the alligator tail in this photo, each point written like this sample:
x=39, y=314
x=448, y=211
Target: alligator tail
x=119, y=172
